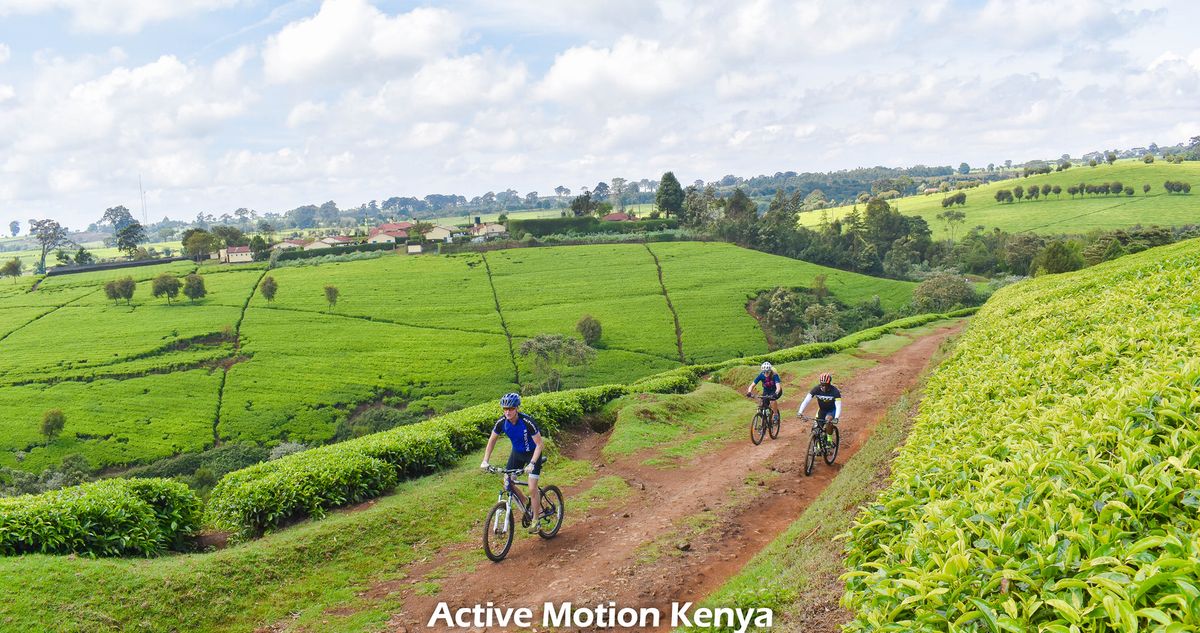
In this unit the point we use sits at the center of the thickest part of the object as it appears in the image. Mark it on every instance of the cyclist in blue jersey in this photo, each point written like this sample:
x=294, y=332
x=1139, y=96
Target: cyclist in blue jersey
x=526, y=440
x=829, y=401
x=772, y=387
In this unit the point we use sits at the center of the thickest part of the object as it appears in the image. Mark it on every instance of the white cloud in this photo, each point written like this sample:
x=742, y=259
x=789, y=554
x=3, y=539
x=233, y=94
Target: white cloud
x=306, y=112
x=114, y=16
x=468, y=80
x=347, y=36
x=5, y=52
x=630, y=68
x=6, y=92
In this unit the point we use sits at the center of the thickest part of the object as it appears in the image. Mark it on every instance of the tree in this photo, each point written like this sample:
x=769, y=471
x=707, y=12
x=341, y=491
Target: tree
x=1148, y=159
x=1057, y=257
x=1110, y=157
x=1146, y=188
x=117, y=217
x=193, y=287
x=49, y=235
x=589, y=328
x=1019, y=192
x=669, y=198
x=331, y=295
x=53, y=422
x=231, y=235
x=562, y=192
x=130, y=236
x=964, y=168
x=199, y=244
x=952, y=219
x=551, y=354
x=740, y=208
x=601, y=190
x=267, y=230
x=113, y=291
x=259, y=247
x=1004, y=195
x=83, y=257
x=14, y=227
x=618, y=191
x=942, y=292
x=268, y=288
x=583, y=205
x=165, y=284
x=12, y=268
x=1092, y=162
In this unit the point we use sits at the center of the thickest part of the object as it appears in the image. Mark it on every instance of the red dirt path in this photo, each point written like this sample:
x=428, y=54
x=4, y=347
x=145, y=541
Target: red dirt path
x=593, y=559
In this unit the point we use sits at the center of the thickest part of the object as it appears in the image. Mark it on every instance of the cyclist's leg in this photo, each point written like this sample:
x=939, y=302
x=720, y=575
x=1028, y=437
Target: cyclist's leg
x=535, y=495
x=775, y=403
x=518, y=460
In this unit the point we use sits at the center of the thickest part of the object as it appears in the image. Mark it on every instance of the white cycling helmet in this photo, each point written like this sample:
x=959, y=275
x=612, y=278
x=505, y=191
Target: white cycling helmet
x=766, y=367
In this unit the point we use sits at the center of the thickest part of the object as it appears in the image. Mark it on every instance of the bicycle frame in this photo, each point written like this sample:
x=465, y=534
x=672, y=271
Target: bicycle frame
x=509, y=495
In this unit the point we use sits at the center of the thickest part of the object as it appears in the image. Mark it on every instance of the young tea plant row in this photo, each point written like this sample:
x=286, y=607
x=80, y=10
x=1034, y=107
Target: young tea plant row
x=1052, y=478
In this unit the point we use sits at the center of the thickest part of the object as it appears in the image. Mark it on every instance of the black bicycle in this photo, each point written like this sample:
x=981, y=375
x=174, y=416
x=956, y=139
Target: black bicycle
x=825, y=441
x=765, y=421
x=499, y=529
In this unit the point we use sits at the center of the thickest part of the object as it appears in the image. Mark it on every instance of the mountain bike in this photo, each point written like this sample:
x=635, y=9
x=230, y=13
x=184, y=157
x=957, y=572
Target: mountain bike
x=764, y=422
x=499, y=529
x=824, y=442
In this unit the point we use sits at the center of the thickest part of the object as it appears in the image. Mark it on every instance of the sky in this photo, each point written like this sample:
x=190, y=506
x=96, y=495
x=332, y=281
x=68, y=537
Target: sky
x=220, y=104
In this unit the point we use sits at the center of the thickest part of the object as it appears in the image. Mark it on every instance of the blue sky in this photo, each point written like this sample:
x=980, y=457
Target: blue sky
x=219, y=104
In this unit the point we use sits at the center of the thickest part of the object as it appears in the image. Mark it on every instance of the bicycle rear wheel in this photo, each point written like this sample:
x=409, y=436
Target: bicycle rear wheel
x=831, y=446
x=552, y=502
x=498, y=532
x=811, y=459
x=773, y=426
x=758, y=428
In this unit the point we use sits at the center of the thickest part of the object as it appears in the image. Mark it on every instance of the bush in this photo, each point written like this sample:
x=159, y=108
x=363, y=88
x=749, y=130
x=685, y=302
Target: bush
x=942, y=292
x=589, y=329
x=286, y=448
x=114, y=517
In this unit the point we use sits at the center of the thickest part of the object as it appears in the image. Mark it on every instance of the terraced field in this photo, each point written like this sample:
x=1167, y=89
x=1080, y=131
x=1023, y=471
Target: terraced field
x=1064, y=214
x=148, y=380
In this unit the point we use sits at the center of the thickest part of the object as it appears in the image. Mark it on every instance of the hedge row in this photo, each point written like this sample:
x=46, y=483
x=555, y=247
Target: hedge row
x=267, y=495
x=114, y=517
x=334, y=250
x=539, y=227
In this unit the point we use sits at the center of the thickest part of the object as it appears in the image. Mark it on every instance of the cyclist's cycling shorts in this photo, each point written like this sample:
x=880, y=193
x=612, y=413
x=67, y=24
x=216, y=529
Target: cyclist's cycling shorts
x=518, y=460
x=825, y=415
x=775, y=396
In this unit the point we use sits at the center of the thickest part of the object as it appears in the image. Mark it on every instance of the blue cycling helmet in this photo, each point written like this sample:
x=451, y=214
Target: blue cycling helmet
x=511, y=400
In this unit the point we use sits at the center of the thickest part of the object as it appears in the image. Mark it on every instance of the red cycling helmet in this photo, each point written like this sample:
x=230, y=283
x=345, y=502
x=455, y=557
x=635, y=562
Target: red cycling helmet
x=825, y=379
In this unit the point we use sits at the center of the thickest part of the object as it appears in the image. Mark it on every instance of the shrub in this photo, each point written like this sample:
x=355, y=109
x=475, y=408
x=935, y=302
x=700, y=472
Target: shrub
x=53, y=423
x=589, y=329
x=941, y=292
x=193, y=287
x=114, y=517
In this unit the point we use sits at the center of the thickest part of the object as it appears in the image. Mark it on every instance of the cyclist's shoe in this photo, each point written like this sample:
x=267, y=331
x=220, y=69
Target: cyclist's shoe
x=535, y=526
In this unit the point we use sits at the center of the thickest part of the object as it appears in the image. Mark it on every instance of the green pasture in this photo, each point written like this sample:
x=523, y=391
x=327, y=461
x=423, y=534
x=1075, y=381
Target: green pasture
x=421, y=333
x=1062, y=214
x=710, y=285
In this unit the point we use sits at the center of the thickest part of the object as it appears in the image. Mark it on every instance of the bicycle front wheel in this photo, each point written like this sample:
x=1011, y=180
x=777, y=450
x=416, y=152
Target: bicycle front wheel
x=552, y=504
x=498, y=532
x=831, y=446
x=773, y=426
x=811, y=459
x=758, y=428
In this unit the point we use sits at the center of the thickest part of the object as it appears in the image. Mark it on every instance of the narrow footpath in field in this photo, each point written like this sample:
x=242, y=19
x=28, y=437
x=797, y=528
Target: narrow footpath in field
x=681, y=531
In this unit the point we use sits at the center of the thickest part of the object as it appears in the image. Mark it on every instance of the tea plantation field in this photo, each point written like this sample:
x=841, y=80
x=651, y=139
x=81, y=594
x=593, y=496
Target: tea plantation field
x=1064, y=214
x=1051, y=481
x=148, y=380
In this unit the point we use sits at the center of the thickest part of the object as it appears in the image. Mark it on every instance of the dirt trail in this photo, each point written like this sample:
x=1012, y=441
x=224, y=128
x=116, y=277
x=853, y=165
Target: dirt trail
x=595, y=557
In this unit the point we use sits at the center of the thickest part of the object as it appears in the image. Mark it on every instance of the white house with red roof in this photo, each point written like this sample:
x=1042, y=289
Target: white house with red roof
x=390, y=227
x=387, y=237
x=619, y=217
x=487, y=229
x=290, y=245
x=338, y=240
x=236, y=255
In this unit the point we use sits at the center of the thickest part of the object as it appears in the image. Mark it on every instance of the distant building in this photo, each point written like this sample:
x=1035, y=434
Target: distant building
x=413, y=249
x=391, y=226
x=440, y=233
x=290, y=245
x=488, y=229
x=388, y=237
x=316, y=245
x=236, y=255
x=338, y=240
x=619, y=217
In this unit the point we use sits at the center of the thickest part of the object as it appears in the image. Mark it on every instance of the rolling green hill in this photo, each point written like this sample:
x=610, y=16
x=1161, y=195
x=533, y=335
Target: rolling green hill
x=428, y=334
x=1062, y=214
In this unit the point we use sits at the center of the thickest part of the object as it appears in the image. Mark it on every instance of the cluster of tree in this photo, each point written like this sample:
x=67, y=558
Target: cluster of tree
x=164, y=285
x=959, y=198
x=73, y=470
x=1103, y=189
x=1175, y=186
x=1033, y=170
x=1021, y=193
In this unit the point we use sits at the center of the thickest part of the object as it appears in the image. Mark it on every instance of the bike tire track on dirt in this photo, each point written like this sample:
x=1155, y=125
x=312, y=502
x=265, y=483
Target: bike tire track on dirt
x=594, y=559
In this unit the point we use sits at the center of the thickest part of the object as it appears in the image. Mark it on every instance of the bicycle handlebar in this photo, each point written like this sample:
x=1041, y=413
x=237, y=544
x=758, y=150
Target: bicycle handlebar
x=496, y=470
